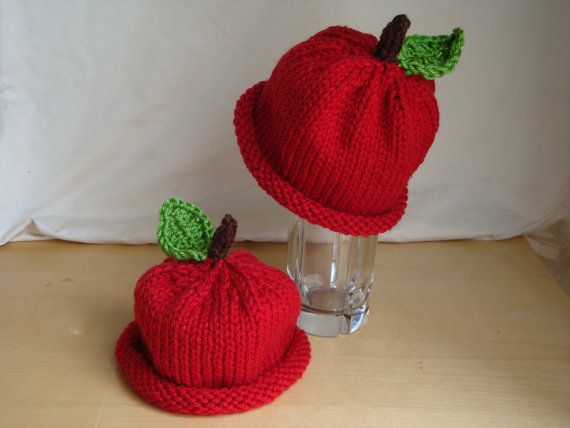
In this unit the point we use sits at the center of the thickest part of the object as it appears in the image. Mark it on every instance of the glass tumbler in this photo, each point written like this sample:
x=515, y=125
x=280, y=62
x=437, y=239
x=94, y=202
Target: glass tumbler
x=334, y=274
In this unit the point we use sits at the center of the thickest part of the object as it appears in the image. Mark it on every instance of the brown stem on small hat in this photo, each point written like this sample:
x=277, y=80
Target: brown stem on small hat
x=392, y=39
x=223, y=238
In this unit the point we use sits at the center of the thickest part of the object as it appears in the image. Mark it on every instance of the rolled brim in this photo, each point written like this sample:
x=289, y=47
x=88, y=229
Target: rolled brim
x=293, y=199
x=137, y=368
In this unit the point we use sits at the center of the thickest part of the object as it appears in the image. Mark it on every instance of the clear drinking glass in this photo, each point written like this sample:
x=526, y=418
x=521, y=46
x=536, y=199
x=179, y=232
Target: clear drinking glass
x=334, y=274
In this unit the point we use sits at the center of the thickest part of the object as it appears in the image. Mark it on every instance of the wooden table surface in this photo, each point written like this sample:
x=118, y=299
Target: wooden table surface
x=461, y=334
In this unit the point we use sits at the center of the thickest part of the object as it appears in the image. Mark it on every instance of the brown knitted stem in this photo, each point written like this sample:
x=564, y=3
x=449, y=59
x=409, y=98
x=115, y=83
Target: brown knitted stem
x=392, y=39
x=223, y=238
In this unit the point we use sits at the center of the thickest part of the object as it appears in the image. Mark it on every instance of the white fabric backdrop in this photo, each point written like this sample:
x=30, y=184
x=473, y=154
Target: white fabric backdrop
x=108, y=108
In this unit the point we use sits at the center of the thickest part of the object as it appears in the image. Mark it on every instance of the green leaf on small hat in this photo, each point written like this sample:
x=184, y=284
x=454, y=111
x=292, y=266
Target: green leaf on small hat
x=431, y=56
x=184, y=231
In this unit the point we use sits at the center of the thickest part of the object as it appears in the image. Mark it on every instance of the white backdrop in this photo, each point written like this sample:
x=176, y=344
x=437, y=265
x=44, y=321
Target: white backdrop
x=108, y=108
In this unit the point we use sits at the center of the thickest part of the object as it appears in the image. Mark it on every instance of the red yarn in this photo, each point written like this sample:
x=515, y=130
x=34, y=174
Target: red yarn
x=335, y=134
x=213, y=337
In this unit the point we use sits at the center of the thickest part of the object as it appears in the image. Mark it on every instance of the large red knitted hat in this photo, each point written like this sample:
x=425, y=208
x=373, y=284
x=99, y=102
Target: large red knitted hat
x=213, y=333
x=345, y=119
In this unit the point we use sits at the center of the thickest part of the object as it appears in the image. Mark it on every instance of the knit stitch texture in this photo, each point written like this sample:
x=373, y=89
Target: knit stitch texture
x=431, y=56
x=335, y=133
x=184, y=231
x=214, y=337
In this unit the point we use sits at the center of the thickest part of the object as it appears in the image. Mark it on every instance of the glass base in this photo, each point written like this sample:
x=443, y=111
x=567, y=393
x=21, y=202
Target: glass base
x=334, y=274
x=331, y=324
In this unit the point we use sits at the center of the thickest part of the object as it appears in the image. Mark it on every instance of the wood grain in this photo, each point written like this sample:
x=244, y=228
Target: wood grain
x=462, y=334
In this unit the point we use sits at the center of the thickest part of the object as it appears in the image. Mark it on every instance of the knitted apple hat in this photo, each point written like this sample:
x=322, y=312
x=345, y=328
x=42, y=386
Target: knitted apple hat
x=213, y=333
x=344, y=121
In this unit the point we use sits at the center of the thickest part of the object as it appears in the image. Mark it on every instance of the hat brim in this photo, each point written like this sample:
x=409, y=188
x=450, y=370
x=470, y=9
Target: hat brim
x=140, y=374
x=291, y=198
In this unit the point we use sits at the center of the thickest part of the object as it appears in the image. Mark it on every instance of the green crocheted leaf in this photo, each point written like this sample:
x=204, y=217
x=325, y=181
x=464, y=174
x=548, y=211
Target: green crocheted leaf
x=184, y=231
x=431, y=56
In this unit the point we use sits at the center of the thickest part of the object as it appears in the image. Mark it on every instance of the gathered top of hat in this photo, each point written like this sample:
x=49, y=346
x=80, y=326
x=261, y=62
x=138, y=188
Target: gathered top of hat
x=214, y=332
x=336, y=132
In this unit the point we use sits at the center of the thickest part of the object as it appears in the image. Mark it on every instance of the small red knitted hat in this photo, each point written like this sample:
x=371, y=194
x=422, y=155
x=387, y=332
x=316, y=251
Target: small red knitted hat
x=336, y=132
x=212, y=335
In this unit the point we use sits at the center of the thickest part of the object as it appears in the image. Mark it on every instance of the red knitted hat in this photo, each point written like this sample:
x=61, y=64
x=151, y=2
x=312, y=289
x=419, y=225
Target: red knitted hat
x=343, y=122
x=213, y=336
